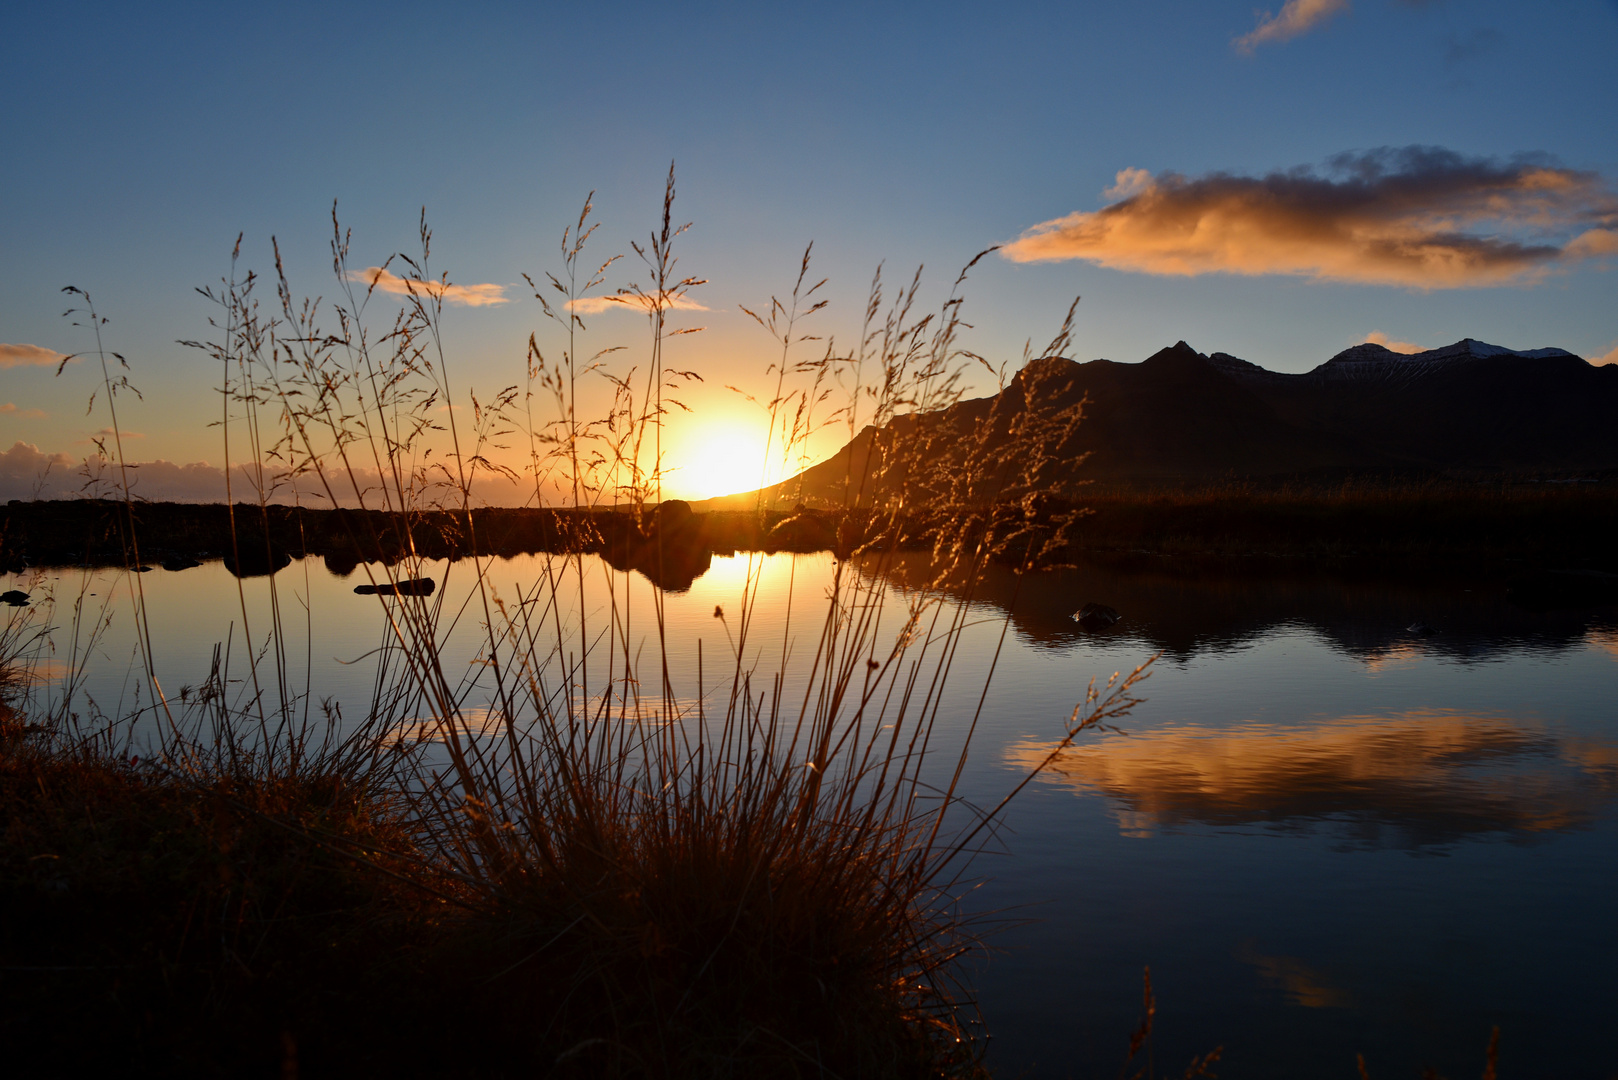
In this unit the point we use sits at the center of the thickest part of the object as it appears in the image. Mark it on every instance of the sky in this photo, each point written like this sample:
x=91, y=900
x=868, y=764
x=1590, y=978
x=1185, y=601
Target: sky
x=1277, y=184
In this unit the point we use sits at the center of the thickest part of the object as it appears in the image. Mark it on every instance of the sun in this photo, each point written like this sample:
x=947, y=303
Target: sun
x=721, y=459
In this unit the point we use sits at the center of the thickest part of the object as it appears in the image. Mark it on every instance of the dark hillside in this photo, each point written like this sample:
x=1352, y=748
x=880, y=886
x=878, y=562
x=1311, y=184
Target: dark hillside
x=1467, y=412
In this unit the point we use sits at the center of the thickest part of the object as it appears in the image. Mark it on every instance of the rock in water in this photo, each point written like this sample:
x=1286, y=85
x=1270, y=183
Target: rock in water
x=1097, y=617
x=14, y=597
x=404, y=587
x=801, y=532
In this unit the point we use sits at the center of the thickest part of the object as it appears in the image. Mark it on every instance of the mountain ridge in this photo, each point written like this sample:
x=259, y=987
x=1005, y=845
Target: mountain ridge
x=1469, y=410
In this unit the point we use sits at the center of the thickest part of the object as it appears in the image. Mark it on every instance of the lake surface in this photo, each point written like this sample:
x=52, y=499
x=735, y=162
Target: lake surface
x=1326, y=835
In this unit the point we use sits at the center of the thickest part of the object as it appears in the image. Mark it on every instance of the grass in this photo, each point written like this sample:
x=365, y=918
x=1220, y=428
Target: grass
x=577, y=856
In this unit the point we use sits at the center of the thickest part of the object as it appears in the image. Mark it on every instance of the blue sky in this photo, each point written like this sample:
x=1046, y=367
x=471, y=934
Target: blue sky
x=141, y=139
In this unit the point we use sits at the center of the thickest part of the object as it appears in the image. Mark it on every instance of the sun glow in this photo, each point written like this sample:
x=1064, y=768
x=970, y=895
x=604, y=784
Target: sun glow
x=722, y=459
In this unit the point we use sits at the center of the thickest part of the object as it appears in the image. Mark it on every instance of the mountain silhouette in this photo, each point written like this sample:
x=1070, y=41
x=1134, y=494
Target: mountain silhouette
x=1469, y=410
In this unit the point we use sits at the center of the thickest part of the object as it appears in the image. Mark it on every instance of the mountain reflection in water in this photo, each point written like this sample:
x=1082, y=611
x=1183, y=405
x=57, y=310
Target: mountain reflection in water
x=1419, y=780
x=1185, y=606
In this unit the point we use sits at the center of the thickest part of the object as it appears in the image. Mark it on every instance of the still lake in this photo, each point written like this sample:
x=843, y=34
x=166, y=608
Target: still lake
x=1326, y=835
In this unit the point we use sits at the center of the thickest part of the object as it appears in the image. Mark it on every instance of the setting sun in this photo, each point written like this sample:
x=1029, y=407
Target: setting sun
x=722, y=459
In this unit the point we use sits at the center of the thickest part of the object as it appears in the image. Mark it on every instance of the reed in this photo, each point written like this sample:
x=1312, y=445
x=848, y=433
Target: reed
x=600, y=860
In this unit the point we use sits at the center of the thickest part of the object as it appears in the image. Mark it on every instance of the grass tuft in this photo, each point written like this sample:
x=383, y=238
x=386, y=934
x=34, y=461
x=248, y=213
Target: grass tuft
x=586, y=858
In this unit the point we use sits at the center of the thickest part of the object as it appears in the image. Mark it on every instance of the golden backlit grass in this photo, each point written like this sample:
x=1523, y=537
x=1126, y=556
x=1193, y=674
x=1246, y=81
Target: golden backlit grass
x=552, y=862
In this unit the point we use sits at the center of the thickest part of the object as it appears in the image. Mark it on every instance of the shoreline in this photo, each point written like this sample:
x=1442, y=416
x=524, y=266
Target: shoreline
x=1493, y=533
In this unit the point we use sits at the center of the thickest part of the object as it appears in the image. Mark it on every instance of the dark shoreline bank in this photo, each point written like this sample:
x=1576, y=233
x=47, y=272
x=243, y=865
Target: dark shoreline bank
x=1489, y=533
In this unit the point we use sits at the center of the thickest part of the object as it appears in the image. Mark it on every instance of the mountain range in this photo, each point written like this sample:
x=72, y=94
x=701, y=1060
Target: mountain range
x=1470, y=410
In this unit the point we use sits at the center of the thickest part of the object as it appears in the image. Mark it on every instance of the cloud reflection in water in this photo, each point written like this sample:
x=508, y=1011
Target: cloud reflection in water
x=1417, y=780
x=1302, y=983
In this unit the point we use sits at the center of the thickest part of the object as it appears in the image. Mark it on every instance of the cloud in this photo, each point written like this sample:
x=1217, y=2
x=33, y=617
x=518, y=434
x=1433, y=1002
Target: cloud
x=28, y=356
x=1595, y=244
x=1297, y=17
x=1611, y=357
x=28, y=473
x=595, y=305
x=107, y=433
x=468, y=295
x=1421, y=217
x=23, y=467
x=1128, y=183
x=28, y=414
x=1377, y=337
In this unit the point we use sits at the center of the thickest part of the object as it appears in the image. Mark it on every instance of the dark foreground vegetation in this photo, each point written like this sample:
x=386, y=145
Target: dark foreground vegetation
x=246, y=915
x=573, y=855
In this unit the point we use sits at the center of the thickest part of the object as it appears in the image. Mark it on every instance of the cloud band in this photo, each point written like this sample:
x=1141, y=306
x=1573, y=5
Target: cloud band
x=1297, y=17
x=1420, y=217
x=595, y=305
x=468, y=295
x=28, y=356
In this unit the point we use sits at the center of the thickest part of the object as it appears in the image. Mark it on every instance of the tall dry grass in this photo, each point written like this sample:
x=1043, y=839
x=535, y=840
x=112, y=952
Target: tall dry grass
x=632, y=867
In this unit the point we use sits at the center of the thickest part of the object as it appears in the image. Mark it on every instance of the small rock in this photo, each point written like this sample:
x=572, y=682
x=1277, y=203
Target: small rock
x=14, y=597
x=405, y=587
x=805, y=531
x=1097, y=617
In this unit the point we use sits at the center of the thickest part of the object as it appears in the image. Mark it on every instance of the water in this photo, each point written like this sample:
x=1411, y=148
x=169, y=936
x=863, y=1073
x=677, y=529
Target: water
x=1324, y=834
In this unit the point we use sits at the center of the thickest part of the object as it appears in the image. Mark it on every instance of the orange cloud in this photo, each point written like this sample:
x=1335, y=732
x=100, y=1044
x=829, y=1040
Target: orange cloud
x=28, y=356
x=1610, y=357
x=595, y=305
x=107, y=433
x=1420, y=217
x=1377, y=337
x=28, y=414
x=1128, y=183
x=468, y=295
x=1594, y=244
x=1297, y=17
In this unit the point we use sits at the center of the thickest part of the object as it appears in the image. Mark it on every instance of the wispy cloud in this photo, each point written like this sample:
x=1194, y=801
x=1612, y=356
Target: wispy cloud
x=468, y=295
x=1377, y=337
x=1610, y=357
x=1421, y=217
x=28, y=356
x=107, y=433
x=9, y=409
x=1296, y=17
x=595, y=305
